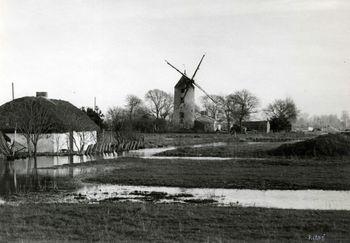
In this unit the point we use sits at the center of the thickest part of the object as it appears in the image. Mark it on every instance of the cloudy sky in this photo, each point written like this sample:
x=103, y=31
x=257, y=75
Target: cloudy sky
x=78, y=49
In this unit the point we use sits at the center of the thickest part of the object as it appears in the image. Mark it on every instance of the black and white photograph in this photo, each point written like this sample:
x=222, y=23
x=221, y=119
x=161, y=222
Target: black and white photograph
x=174, y=121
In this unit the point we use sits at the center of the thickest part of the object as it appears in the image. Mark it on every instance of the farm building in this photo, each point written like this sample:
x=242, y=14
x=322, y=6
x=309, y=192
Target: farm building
x=205, y=124
x=257, y=126
x=69, y=128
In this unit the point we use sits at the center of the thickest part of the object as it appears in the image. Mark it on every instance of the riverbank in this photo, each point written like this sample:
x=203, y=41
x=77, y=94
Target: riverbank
x=167, y=222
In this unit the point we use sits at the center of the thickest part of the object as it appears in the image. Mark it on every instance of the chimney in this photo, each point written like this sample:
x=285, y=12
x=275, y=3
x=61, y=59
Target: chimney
x=41, y=94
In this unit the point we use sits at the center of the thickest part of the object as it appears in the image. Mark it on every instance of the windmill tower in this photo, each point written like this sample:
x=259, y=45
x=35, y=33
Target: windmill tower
x=184, y=103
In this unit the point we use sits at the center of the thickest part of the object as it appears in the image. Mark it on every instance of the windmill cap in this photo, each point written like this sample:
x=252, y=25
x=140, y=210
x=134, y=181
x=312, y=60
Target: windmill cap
x=41, y=94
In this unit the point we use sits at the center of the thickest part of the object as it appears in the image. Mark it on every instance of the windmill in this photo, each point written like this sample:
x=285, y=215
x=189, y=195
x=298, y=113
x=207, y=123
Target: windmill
x=184, y=104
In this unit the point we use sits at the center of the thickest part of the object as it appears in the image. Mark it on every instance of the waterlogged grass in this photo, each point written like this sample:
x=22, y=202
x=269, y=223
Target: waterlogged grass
x=147, y=222
x=238, y=174
x=185, y=139
x=236, y=149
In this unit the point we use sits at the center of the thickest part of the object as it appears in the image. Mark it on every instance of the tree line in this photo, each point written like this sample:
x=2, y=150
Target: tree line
x=239, y=107
x=153, y=112
x=317, y=122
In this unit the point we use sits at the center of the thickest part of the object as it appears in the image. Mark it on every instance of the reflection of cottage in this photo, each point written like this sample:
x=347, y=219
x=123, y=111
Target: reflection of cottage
x=71, y=127
x=257, y=126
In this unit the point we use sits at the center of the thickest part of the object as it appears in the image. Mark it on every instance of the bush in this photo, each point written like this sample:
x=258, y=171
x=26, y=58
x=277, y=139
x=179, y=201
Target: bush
x=324, y=145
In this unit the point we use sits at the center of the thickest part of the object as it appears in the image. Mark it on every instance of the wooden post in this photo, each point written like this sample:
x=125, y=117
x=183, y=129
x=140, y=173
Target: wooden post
x=71, y=144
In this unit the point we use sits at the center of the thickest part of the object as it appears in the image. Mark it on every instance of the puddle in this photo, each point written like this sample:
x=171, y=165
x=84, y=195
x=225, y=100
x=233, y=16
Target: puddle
x=186, y=158
x=283, y=199
x=148, y=152
x=209, y=145
x=205, y=158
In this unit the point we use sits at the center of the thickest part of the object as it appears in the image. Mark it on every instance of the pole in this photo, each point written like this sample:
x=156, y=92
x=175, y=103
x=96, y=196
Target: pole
x=13, y=91
x=15, y=135
x=94, y=103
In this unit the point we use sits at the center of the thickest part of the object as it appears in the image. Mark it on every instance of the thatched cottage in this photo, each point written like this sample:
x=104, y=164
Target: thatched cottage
x=69, y=127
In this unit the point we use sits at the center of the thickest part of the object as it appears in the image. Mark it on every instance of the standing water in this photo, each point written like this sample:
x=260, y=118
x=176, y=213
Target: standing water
x=25, y=175
x=284, y=199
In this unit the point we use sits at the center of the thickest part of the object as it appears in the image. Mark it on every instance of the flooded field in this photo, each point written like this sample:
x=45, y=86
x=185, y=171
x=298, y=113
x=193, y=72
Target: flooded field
x=46, y=174
x=284, y=199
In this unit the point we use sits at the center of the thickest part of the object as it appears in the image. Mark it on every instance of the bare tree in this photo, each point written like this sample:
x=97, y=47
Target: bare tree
x=324, y=121
x=133, y=102
x=33, y=121
x=345, y=118
x=116, y=118
x=227, y=105
x=303, y=121
x=160, y=103
x=212, y=108
x=245, y=105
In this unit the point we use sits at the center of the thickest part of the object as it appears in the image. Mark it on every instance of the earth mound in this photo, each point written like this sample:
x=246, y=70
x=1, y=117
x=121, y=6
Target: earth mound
x=321, y=146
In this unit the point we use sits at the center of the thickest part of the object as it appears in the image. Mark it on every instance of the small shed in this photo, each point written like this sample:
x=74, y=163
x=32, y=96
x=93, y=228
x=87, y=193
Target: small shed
x=205, y=123
x=257, y=126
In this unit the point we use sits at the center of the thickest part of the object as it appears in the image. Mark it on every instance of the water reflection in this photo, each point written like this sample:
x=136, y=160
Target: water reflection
x=43, y=162
x=27, y=176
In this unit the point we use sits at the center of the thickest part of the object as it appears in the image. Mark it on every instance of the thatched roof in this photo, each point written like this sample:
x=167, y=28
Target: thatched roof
x=63, y=115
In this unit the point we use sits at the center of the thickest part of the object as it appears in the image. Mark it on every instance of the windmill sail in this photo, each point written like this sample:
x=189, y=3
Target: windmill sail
x=183, y=74
x=199, y=87
x=191, y=79
x=195, y=72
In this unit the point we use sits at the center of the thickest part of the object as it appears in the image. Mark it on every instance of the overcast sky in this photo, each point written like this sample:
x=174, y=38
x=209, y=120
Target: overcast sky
x=78, y=49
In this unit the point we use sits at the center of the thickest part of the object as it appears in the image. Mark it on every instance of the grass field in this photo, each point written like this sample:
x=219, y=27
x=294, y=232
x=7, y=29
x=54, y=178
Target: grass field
x=167, y=223
x=245, y=174
x=234, y=149
x=185, y=139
